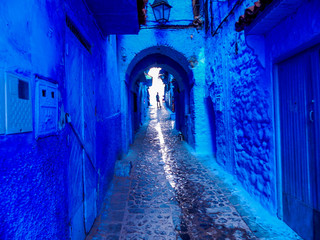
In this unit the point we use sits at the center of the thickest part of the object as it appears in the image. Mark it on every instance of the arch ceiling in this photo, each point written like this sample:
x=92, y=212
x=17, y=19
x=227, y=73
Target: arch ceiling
x=164, y=57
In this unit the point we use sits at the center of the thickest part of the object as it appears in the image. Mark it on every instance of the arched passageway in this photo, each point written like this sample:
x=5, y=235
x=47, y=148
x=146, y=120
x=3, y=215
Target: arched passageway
x=177, y=65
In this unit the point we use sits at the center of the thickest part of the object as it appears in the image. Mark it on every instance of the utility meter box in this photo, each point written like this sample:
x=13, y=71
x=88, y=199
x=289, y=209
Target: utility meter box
x=18, y=105
x=46, y=108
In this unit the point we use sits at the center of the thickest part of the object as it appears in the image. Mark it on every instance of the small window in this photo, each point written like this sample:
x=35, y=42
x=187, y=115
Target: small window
x=52, y=94
x=23, y=89
x=44, y=93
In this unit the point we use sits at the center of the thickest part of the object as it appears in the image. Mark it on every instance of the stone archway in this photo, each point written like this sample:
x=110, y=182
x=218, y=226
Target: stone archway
x=176, y=64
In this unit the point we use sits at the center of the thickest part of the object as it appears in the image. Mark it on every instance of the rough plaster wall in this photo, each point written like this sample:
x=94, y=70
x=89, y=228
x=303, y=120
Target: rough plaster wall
x=109, y=142
x=33, y=199
x=126, y=138
x=176, y=39
x=34, y=173
x=33, y=189
x=202, y=136
x=244, y=124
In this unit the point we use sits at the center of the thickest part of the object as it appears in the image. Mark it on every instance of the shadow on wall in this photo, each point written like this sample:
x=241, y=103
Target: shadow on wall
x=212, y=121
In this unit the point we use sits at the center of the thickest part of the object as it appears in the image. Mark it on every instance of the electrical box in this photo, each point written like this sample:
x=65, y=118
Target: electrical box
x=2, y=105
x=18, y=104
x=46, y=108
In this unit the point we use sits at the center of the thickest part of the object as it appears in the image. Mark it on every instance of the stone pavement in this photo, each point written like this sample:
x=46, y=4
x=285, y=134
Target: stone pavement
x=169, y=194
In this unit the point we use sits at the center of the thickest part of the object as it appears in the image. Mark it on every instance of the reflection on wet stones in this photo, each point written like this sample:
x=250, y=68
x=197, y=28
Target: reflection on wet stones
x=169, y=195
x=195, y=195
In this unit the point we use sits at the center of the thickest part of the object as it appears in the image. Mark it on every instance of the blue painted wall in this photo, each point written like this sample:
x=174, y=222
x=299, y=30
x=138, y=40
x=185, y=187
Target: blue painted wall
x=33, y=183
x=108, y=116
x=33, y=188
x=240, y=82
x=242, y=100
x=40, y=191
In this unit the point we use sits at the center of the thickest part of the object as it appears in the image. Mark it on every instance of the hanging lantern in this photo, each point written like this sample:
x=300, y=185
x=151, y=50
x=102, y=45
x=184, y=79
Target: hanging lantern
x=161, y=10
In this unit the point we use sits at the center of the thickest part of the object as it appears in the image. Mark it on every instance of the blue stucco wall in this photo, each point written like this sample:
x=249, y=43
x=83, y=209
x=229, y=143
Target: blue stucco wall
x=40, y=191
x=33, y=189
x=108, y=116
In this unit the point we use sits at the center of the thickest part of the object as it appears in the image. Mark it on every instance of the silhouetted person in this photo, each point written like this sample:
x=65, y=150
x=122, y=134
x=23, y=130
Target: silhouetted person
x=158, y=101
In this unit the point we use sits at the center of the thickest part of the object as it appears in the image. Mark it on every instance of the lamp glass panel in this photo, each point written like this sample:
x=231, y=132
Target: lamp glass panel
x=158, y=12
x=166, y=12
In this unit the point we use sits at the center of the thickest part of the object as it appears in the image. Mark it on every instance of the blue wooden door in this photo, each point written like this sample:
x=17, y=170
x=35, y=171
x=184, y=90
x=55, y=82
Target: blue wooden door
x=89, y=138
x=81, y=107
x=75, y=171
x=298, y=104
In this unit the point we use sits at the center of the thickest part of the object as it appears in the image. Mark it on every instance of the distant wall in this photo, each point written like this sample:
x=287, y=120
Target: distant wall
x=190, y=43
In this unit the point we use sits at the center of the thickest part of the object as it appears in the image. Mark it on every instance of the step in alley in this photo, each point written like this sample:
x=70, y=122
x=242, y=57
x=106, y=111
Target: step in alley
x=170, y=194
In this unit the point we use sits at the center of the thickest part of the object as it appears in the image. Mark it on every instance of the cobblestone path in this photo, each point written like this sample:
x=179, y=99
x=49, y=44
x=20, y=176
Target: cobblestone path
x=168, y=194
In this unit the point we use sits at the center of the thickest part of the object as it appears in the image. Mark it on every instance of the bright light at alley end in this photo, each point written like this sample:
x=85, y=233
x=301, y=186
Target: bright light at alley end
x=161, y=10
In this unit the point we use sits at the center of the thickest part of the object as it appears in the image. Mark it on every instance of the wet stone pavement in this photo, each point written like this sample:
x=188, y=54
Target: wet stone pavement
x=168, y=193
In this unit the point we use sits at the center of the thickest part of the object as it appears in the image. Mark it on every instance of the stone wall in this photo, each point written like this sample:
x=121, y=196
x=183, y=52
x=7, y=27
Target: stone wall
x=242, y=97
x=239, y=79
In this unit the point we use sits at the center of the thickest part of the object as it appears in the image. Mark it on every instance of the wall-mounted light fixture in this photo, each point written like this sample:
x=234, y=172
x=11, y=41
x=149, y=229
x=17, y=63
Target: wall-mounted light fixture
x=161, y=10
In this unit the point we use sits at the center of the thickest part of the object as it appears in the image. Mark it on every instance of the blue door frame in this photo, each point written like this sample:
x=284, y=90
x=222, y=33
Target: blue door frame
x=298, y=129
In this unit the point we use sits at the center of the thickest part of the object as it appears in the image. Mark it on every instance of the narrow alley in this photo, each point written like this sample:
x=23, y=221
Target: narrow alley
x=233, y=153
x=168, y=194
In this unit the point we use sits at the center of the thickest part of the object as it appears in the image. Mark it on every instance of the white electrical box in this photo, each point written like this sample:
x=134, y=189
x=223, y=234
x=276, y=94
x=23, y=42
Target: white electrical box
x=18, y=104
x=2, y=105
x=46, y=108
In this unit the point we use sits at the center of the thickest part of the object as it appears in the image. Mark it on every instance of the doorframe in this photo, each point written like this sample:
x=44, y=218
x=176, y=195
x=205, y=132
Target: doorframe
x=277, y=141
x=312, y=44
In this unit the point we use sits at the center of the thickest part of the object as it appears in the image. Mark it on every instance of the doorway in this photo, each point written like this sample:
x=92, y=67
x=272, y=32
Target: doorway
x=82, y=175
x=182, y=82
x=298, y=84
